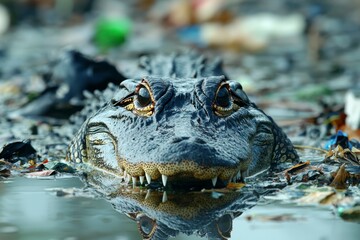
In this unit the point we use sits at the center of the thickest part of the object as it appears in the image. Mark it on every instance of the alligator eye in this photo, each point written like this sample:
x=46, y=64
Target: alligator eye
x=223, y=103
x=146, y=225
x=143, y=100
x=238, y=94
x=223, y=98
x=143, y=97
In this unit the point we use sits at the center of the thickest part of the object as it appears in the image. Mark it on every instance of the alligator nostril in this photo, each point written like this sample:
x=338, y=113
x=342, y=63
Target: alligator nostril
x=179, y=139
x=189, y=139
x=199, y=141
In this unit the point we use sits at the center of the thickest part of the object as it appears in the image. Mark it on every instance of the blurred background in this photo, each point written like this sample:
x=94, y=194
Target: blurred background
x=297, y=60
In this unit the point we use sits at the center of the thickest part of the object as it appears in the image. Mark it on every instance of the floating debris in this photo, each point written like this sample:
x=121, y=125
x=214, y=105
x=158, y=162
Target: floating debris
x=63, y=168
x=235, y=186
x=41, y=174
x=302, y=172
x=352, y=109
x=273, y=218
x=5, y=169
x=74, y=192
x=340, y=179
x=317, y=197
x=16, y=151
x=350, y=214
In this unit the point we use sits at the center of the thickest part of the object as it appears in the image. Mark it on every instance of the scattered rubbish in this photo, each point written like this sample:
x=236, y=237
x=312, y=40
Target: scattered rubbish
x=16, y=151
x=73, y=74
x=81, y=73
x=5, y=169
x=346, y=155
x=354, y=135
x=340, y=179
x=350, y=214
x=188, y=12
x=273, y=218
x=5, y=173
x=341, y=150
x=41, y=166
x=111, y=33
x=73, y=192
x=63, y=168
x=352, y=109
x=320, y=197
x=309, y=194
x=313, y=92
x=235, y=186
x=354, y=175
x=302, y=172
x=298, y=167
x=339, y=139
x=250, y=33
x=41, y=174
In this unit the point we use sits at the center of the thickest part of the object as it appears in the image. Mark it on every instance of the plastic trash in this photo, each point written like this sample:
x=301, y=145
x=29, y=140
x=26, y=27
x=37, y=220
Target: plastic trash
x=111, y=32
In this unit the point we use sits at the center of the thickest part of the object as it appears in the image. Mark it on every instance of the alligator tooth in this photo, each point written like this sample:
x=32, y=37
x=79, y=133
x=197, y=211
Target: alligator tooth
x=134, y=181
x=238, y=175
x=141, y=178
x=164, y=179
x=164, y=197
x=148, y=178
x=214, y=180
x=147, y=194
x=127, y=178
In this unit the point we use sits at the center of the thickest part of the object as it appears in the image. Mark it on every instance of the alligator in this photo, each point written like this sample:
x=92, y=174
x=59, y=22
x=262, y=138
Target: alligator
x=183, y=122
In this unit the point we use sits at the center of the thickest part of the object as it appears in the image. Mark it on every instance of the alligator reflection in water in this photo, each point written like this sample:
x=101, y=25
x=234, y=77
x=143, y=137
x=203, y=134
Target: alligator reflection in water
x=160, y=214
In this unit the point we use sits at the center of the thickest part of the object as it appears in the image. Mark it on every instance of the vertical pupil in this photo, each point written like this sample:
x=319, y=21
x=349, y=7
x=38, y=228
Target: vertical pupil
x=143, y=97
x=223, y=97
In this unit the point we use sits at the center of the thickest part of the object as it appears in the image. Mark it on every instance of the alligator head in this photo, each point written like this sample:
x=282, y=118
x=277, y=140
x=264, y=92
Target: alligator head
x=181, y=130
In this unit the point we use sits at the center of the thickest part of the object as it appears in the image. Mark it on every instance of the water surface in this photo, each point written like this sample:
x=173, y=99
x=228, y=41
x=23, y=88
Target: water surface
x=29, y=211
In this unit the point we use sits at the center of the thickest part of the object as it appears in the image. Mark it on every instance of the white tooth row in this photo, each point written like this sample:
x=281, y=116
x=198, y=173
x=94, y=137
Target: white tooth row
x=164, y=178
x=127, y=179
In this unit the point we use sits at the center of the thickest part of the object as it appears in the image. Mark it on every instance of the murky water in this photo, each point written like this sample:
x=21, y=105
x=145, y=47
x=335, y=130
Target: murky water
x=29, y=211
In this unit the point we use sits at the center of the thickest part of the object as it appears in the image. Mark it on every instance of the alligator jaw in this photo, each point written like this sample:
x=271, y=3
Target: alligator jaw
x=184, y=171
